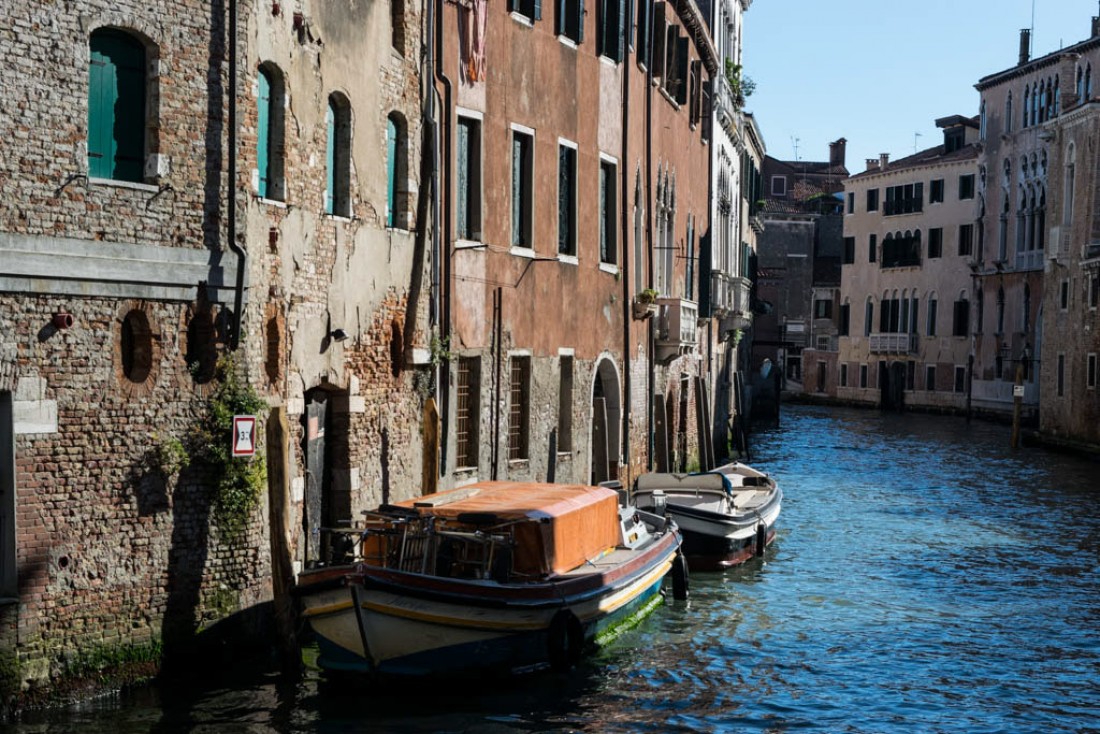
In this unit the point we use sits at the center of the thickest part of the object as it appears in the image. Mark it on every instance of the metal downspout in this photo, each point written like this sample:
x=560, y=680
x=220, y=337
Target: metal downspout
x=626, y=279
x=651, y=376
x=441, y=265
x=231, y=204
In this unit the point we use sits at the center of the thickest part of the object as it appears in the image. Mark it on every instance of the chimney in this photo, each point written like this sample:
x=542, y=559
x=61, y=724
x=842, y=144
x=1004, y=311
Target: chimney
x=883, y=161
x=1025, y=45
x=1095, y=26
x=836, y=152
x=872, y=164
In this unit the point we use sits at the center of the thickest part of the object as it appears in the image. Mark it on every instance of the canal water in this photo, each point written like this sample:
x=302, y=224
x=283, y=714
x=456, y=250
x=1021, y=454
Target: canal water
x=926, y=578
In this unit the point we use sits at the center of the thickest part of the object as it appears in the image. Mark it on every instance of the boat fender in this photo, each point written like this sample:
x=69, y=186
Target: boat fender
x=564, y=640
x=761, y=539
x=679, y=577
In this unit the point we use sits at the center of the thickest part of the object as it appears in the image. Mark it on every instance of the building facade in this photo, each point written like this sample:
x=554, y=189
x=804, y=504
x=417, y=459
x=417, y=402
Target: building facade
x=910, y=254
x=183, y=187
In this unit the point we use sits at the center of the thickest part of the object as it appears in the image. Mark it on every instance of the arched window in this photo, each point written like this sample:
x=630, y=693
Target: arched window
x=1002, y=233
x=980, y=298
x=270, y=133
x=869, y=316
x=1057, y=96
x=338, y=156
x=1027, y=105
x=931, y=316
x=1080, y=85
x=1008, y=113
x=1041, y=221
x=1088, y=82
x=396, y=172
x=981, y=127
x=1068, y=186
x=1042, y=111
x=116, y=106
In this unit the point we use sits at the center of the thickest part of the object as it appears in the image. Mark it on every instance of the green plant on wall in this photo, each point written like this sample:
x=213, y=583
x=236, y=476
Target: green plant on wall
x=239, y=482
x=168, y=457
x=741, y=86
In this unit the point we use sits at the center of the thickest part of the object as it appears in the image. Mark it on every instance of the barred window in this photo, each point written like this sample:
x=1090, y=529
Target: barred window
x=519, y=409
x=467, y=412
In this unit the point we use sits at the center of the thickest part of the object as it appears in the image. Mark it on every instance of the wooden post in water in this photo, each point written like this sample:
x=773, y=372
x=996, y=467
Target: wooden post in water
x=429, y=478
x=282, y=567
x=1017, y=403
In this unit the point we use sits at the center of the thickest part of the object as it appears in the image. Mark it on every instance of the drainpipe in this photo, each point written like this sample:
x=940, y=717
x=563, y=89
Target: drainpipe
x=441, y=291
x=231, y=205
x=651, y=376
x=627, y=307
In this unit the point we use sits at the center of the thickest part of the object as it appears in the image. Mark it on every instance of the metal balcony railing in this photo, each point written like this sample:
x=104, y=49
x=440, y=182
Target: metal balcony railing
x=893, y=343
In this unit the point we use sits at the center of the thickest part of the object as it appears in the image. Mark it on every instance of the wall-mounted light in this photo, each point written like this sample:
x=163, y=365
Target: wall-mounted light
x=338, y=335
x=62, y=320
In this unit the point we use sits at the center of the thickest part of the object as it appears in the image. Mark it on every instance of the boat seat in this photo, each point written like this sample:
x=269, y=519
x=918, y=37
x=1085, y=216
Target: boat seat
x=748, y=499
x=478, y=519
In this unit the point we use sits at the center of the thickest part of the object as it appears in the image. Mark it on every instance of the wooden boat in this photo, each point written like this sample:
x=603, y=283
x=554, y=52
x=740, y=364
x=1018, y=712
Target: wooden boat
x=727, y=515
x=495, y=576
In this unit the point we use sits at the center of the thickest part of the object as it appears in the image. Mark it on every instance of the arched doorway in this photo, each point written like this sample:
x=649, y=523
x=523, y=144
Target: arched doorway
x=606, y=418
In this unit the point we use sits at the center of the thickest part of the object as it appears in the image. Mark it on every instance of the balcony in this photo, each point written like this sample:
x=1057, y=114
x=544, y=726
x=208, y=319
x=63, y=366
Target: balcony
x=676, y=325
x=893, y=343
x=726, y=107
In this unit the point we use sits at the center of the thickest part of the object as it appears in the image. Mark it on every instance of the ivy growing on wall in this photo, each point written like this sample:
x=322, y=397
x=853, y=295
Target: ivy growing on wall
x=238, y=482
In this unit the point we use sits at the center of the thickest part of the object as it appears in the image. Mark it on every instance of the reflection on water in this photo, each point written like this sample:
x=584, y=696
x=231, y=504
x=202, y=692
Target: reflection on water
x=925, y=578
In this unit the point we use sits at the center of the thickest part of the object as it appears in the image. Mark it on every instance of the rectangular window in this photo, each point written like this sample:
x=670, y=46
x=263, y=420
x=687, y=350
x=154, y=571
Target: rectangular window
x=1094, y=290
x=849, y=250
x=779, y=185
x=932, y=317
x=468, y=179
x=960, y=378
x=519, y=408
x=522, y=189
x=904, y=199
x=565, y=405
x=1061, y=375
x=570, y=20
x=612, y=29
x=935, y=191
x=1063, y=295
x=966, y=186
x=872, y=200
x=567, y=200
x=116, y=106
x=935, y=242
x=910, y=375
x=845, y=317
x=844, y=375
x=872, y=248
x=823, y=309
x=643, y=22
x=851, y=203
x=930, y=378
x=966, y=239
x=863, y=375
x=868, y=317
x=1090, y=371
x=467, y=412
x=961, y=322
x=608, y=218
x=529, y=9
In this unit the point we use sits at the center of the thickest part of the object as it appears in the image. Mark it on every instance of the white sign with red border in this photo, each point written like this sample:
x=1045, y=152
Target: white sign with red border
x=244, y=435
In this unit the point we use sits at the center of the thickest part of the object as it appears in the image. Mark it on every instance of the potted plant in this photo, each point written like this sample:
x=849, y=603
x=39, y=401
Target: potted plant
x=645, y=303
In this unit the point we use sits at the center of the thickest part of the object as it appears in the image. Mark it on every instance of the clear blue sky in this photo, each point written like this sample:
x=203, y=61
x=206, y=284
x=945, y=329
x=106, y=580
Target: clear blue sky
x=878, y=71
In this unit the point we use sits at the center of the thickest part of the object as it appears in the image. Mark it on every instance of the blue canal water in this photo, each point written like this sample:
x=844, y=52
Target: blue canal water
x=926, y=578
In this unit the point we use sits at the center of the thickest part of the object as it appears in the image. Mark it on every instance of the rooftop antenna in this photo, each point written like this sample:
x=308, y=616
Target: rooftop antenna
x=1031, y=39
x=794, y=142
x=915, y=137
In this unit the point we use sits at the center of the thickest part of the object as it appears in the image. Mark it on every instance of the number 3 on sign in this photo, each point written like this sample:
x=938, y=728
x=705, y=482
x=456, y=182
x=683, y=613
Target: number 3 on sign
x=244, y=435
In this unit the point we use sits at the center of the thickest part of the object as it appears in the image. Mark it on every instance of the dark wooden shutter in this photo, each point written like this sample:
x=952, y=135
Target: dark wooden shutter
x=659, y=38
x=538, y=10
x=517, y=191
x=682, y=69
x=580, y=22
x=645, y=8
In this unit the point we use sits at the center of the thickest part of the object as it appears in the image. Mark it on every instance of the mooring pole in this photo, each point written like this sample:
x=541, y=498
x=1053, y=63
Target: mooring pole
x=1017, y=403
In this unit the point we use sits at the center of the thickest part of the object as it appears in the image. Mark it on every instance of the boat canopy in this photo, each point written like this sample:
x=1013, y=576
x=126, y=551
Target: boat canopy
x=557, y=527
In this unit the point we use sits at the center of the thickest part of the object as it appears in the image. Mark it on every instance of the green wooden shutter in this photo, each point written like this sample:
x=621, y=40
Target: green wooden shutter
x=263, y=134
x=580, y=21
x=660, y=34
x=538, y=10
x=560, y=22
x=681, y=69
x=330, y=159
x=391, y=172
x=462, y=212
x=517, y=189
x=116, y=106
x=621, y=23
